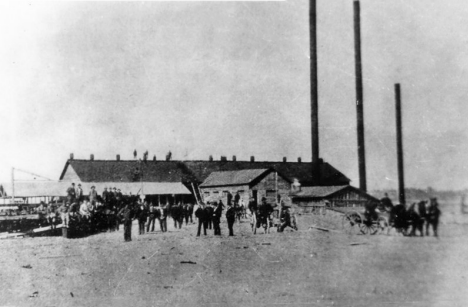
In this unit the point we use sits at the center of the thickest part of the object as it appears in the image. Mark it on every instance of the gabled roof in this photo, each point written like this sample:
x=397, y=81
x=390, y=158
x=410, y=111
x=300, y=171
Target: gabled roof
x=327, y=191
x=242, y=177
x=318, y=192
x=59, y=188
x=195, y=171
x=129, y=171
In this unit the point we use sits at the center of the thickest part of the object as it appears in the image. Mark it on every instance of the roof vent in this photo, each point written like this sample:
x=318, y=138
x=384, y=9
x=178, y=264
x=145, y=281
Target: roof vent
x=299, y=160
x=91, y=157
x=211, y=158
x=154, y=158
x=252, y=158
x=285, y=159
x=234, y=158
x=118, y=157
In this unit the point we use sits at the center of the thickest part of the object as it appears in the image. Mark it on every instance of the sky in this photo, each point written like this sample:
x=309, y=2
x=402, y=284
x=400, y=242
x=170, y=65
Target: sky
x=232, y=78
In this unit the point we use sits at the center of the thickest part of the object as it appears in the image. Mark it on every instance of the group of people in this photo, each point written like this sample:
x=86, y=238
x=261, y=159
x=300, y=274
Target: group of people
x=94, y=212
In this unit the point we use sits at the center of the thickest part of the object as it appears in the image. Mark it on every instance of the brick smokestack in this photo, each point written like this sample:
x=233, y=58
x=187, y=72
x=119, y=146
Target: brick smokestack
x=359, y=98
x=314, y=90
x=401, y=175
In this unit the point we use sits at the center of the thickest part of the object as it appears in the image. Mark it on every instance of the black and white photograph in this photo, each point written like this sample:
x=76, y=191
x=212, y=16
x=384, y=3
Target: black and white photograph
x=234, y=153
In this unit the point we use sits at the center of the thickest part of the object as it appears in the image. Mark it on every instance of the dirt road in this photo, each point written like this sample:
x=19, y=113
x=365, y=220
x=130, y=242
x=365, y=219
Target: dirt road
x=304, y=268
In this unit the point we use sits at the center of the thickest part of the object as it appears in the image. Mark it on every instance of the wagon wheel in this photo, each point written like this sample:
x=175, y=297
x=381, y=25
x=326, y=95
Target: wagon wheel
x=368, y=228
x=383, y=225
x=350, y=222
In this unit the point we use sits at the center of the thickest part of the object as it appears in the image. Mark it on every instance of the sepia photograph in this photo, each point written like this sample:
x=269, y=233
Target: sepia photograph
x=234, y=153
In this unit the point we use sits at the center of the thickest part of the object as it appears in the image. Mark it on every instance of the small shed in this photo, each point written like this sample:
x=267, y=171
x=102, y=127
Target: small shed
x=256, y=183
x=332, y=196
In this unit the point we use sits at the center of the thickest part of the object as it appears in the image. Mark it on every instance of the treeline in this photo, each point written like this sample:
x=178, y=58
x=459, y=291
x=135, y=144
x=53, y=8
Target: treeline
x=421, y=194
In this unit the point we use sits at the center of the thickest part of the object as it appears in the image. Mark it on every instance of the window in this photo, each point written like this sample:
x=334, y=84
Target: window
x=206, y=193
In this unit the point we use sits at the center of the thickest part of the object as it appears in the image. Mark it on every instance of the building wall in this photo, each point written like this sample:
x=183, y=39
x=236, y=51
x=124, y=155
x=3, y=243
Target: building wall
x=265, y=188
x=70, y=175
x=268, y=185
x=346, y=198
x=221, y=192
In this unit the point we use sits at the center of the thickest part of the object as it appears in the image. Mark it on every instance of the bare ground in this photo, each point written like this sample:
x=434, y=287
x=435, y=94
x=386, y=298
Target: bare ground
x=304, y=268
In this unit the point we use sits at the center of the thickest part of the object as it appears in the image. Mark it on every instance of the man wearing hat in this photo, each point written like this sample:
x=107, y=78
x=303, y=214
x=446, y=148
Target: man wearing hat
x=200, y=213
x=105, y=196
x=79, y=193
x=231, y=218
x=217, y=213
x=71, y=193
x=93, y=195
x=127, y=215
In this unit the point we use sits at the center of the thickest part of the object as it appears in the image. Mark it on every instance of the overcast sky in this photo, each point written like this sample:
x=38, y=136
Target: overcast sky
x=232, y=78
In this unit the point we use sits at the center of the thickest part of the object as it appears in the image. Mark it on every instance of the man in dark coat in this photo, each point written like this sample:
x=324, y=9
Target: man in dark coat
x=105, y=196
x=151, y=217
x=93, y=195
x=71, y=194
x=200, y=213
x=218, y=212
x=127, y=215
x=209, y=215
x=177, y=215
x=142, y=217
x=231, y=218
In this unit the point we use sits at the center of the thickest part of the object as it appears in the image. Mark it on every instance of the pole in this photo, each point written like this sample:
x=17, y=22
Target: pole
x=359, y=98
x=401, y=176
x=12, y=185
x=314, y=89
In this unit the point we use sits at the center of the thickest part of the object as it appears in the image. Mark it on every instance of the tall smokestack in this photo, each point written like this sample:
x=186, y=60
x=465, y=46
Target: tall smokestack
x=314, y=89
x=401, y=177
x=359, y=98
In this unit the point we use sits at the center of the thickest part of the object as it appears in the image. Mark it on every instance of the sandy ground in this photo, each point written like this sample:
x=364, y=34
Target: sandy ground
x=304, y=268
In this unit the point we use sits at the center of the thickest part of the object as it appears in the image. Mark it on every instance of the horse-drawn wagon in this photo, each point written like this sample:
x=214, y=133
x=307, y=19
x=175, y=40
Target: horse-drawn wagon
x=355, y=221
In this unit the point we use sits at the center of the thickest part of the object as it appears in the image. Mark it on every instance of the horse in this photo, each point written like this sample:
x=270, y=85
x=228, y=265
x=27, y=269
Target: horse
x=416, y=215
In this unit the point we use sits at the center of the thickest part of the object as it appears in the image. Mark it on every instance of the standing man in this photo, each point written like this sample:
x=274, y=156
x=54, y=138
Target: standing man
x=200, y=213
x=93, y=195
x=218, y=212
x=105, y=196
x=79, y=193
x=127, y=216
x=209, y=215
x=152, y=217
x=142, y=217
x=71, y=193
x=231, y=218
x=64, y=214
x=163, y=218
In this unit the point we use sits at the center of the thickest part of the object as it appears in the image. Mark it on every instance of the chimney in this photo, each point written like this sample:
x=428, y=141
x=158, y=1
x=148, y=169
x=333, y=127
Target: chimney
x=154, y=158
x=118, y=157
x=401, y=177
x=313, y=79
x=252, y=158
x=91, y=157
x=299, y=160
x=359, y=98
x=234, y=158
x=210, y=158
x=285, y=159
x=223, y=158
x=71, y=156
x=314, y=89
